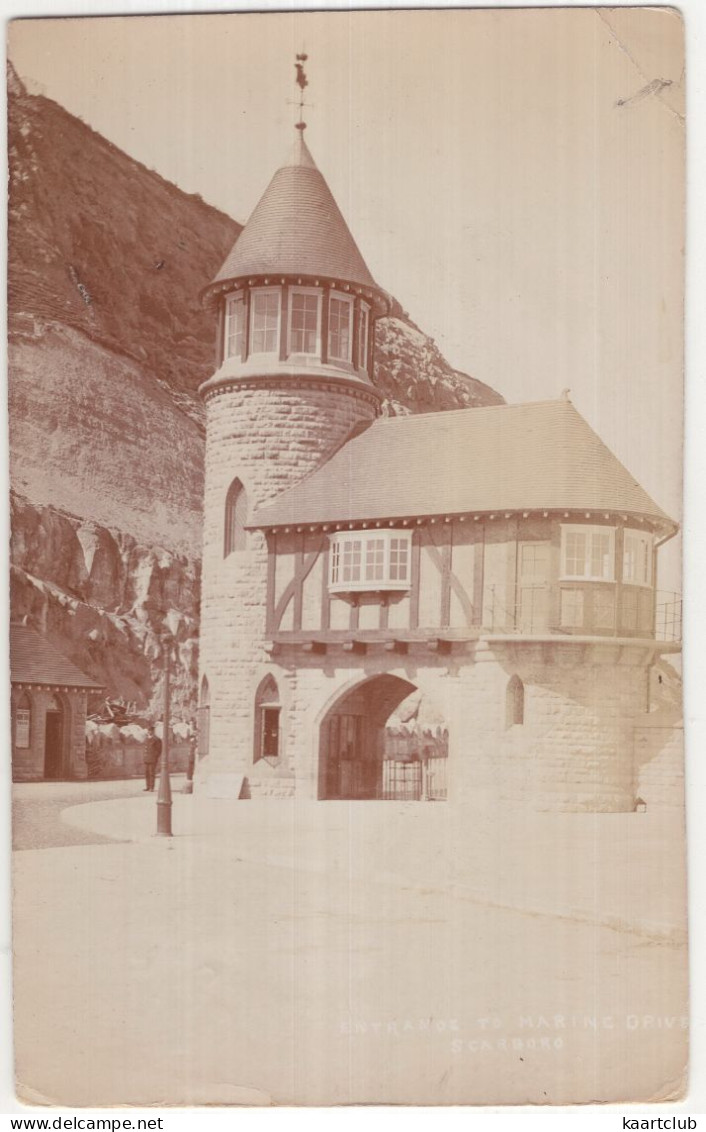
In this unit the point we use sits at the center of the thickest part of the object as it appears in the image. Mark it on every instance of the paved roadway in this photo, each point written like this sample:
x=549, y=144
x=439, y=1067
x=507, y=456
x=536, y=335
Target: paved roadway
x=278, y=959
x=37, y=808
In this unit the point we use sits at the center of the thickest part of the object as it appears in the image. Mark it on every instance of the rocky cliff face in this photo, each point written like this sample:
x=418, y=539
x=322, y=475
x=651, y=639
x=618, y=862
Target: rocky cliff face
x=107, y=346
x=414, y=376
x=104, y=599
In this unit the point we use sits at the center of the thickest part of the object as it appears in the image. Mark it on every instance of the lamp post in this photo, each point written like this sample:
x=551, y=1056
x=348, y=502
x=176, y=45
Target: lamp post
x=164, y=795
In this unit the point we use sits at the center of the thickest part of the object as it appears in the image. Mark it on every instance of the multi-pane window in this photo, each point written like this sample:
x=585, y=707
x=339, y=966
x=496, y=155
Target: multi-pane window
x=352, y=556
x=588, y=552
x=304, y=316
x=264, y=321
x=399, y=559
x=375, y=560
x=235, y=326
x=340, y=314
x=637, y=558
x=363, y=337
x=370, y=560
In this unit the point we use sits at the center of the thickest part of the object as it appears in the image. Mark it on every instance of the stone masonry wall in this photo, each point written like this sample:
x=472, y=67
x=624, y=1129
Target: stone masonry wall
x=659, y=760
x=28, y=763
x=270, y=439
x=573, y=752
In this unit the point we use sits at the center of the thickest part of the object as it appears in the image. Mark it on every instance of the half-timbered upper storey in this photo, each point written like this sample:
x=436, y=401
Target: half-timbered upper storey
x=504, y=520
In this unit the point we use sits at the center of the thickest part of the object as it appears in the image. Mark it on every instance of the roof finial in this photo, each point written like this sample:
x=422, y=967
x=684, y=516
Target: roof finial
x=302, y=83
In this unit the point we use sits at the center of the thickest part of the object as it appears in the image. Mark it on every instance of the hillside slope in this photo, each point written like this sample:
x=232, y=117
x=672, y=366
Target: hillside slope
x=100, y=243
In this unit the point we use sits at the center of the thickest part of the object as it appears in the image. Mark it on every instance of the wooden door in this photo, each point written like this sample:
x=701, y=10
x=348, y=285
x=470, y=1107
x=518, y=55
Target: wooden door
x=54, y=745
x=346, y=775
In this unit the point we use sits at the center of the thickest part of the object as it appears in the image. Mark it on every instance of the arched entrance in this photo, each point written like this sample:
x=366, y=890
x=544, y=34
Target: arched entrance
x=382, y=740
x=54, y=737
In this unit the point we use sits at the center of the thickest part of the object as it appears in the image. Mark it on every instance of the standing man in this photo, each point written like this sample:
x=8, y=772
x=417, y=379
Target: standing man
x=153, y=752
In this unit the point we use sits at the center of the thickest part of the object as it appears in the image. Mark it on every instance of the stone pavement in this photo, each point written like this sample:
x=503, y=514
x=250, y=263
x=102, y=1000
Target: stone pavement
x=37, y=809
x=173, y=972
x=623, y=871
x=345, y=952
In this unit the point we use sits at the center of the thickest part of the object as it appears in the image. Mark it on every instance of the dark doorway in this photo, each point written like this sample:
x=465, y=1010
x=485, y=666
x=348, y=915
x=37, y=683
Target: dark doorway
x=366, y=751
x=351, y=769
x=54, y=741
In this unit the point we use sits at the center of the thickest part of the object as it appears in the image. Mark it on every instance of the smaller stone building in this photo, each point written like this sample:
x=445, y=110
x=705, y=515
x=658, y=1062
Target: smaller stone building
x=48, y=710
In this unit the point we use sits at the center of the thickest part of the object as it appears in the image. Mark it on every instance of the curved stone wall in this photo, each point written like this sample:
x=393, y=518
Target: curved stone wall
x=269, y=436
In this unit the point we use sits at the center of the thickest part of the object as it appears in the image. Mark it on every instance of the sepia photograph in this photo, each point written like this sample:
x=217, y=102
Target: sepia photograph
x=345, y=379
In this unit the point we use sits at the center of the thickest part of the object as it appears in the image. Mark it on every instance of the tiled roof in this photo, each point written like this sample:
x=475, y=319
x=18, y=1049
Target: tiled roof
x=33, y=660
x=297, y=228
x=540, y=456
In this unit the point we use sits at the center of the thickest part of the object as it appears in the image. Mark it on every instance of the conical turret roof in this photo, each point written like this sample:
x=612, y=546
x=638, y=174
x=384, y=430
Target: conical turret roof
x=297, y=229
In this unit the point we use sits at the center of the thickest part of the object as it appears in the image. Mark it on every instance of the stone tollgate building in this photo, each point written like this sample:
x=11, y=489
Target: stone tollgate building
x=490, y=571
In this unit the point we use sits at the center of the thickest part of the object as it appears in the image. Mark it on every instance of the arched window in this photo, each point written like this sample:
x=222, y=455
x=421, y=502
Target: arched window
x=235, y=518
x=515, y=702
x=204, y=719
x=267, y=720
x=23, y=721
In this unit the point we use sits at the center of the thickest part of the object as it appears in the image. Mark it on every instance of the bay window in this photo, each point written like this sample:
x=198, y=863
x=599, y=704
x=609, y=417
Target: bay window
x=264, y=321
x=588, y=553
x=370, y=560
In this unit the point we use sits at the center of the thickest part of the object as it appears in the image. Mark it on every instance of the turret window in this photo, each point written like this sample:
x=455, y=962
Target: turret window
x=363, y=337
x=305, y=322
x=370, y=560
x=235, y=326
x=264, y=321
x=339, y=328
x=588, y=553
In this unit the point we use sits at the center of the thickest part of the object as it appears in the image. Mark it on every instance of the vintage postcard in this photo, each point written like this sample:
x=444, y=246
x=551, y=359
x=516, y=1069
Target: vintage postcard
x=345, y=382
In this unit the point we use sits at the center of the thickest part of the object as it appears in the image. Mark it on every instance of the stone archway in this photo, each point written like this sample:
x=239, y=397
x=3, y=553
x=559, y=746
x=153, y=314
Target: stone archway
x=369, y=751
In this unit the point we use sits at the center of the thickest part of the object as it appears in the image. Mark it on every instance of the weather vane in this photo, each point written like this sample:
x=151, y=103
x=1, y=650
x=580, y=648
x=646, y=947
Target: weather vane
x=302, y=82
